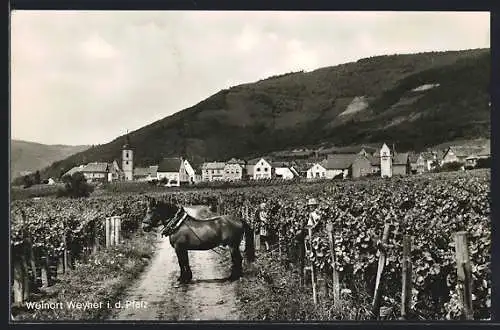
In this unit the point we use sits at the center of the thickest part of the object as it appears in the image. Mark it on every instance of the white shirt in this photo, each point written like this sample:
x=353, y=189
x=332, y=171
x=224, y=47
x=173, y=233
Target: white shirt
x=313, y=219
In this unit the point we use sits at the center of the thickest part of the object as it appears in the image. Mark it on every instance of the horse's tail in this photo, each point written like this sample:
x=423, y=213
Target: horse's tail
x=249, y=242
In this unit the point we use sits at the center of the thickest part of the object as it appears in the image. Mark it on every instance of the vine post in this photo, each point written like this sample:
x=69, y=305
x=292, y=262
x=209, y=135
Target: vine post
x=257, y=240
x=117, y=227
x=313, y=277
x=95, y=235
x=335, y=274
x=381, y=264
x=108, y=232
x=406, y=281
x=464, y=272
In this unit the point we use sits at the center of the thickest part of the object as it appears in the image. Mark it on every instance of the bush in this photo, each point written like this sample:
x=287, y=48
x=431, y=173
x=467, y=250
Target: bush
x=75, y=186
x=28, y=182
x=483, y=163
x=450, y=167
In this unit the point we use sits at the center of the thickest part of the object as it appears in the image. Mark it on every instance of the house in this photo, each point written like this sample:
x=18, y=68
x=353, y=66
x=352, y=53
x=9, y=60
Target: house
x=282, y=170
x=485, y=152
x=234, y=170
x=74, y=170
x=115, y=173
x=259, y=168
x=317, y=171
x=413, y=162
x=375, y=163
x=348, y=165
x=51, y=181
x=212, y=171
x=361, y=166
x=426, y=162
x=471, y=161
x=146, y=173
x=190, y=173
x=174, y=169
x=401, y=164
x=339, y=164
x=459, y=154
x=96, y=171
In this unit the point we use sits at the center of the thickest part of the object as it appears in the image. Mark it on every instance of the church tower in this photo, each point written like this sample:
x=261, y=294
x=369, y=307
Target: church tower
x=127, y=160
x=385, y=162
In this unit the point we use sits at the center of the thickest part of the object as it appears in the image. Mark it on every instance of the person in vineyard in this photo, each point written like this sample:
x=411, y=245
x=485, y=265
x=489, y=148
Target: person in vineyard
x=262, y=223
x=313, y=217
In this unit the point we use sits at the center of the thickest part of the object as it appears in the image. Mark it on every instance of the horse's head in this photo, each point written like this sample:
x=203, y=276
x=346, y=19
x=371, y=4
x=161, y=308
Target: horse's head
x=157, y=211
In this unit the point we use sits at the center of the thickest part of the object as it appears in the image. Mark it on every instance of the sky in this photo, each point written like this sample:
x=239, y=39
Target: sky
x=86, y=77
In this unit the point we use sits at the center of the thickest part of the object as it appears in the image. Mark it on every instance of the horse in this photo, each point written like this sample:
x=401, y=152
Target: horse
x=198, y=228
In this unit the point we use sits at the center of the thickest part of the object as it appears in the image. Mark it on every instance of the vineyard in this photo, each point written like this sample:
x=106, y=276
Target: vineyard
x=43, y=231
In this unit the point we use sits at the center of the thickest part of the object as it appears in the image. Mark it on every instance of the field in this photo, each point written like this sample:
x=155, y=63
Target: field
x=445, y=203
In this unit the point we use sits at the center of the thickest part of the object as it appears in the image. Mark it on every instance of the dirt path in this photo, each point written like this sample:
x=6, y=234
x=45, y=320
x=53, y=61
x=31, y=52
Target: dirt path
x=158, y=296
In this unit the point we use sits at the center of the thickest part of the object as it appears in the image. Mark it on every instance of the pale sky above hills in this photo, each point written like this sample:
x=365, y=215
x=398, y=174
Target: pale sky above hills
x=87, y=77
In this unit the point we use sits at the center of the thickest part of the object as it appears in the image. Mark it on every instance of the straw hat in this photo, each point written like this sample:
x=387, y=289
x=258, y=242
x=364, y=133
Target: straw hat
x=312, y=201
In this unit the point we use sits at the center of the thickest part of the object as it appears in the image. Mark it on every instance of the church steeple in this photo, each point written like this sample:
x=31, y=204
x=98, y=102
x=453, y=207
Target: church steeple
x=128, y=159
x=127, y=144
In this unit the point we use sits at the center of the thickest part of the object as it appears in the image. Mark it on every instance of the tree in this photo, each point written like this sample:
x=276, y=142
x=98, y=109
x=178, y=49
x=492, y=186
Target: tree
x=28, y=182
x=37, y=177
x=75, y=186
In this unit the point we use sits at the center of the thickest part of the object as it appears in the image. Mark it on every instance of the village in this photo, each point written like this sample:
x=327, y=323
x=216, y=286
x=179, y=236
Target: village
x=296, y=165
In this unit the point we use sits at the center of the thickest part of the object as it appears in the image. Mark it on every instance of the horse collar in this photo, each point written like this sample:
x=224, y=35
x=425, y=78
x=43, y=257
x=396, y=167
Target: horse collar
x=181, y=220
x=175, y=223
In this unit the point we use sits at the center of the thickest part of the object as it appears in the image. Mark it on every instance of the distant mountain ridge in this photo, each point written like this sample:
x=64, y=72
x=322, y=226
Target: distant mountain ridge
x=30, y=156
x=413, y=100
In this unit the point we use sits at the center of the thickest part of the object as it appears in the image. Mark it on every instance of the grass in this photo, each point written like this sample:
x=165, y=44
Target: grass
x=40, y=190
x=101, y=280
x=271, y=291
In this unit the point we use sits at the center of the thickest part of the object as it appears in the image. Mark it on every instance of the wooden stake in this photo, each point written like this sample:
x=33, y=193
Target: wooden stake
x=19, y=283
x=65, y=253
x=381, y=264
x=112, y=231
x=464, y=272
x=44, y=270
x=406, y=281
x=117, y=229
x=95, y=247
x=257, y=241
x=313, y=279
x=108, y=238
x=335, y=274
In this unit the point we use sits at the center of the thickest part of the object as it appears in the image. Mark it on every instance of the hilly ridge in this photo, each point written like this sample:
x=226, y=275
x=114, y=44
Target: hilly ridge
x=31, y=156
x=303, y=109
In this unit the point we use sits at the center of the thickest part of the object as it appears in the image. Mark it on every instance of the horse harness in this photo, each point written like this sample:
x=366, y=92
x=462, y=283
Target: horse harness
x=174, y=224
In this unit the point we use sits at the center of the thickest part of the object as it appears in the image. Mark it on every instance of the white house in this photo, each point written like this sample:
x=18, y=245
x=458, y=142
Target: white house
x=339, y=165
x=282, y=170
x=317, y=171
x=212, y=171
x=191, y=173
x=234, y=170
x=259, y=168
x=174, y=169
x=51, y=181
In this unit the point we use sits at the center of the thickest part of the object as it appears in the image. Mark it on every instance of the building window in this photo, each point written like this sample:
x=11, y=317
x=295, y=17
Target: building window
x=265, y=169
x=258, y=169
x=126, y=154
x=126, y=162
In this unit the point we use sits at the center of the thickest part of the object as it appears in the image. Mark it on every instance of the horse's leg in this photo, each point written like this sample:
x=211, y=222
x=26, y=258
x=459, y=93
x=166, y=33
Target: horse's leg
x=189, y=274
x=236, y=259
x=186, y=275
x=182, y=266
